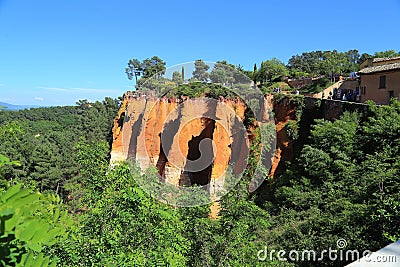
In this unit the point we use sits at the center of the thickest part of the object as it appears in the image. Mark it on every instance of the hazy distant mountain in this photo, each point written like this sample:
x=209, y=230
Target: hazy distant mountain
x=6, y=106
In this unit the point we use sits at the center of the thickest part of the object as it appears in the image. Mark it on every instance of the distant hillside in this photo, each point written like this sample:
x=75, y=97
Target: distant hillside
x=6, y=106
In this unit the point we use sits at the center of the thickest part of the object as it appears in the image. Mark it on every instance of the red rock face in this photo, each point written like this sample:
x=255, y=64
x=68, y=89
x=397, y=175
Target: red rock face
x=117, y=153
x=169, y=134
x=284, y=112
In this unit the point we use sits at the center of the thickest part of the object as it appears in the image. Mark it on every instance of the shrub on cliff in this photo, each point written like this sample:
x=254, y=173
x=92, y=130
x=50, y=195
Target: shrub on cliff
x=198, y=89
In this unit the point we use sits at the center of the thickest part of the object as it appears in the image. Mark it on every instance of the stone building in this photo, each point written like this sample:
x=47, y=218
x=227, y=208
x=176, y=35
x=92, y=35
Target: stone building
x=380, y=80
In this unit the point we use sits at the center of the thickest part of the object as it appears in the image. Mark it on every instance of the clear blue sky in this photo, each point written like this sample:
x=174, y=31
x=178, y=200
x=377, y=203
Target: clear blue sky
x=56, y=52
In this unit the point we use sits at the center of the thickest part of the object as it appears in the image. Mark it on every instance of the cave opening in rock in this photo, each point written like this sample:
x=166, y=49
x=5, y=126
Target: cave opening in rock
x=200, y=157
x=162, y=159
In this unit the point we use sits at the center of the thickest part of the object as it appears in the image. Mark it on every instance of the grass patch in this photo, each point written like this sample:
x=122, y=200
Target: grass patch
x=316, y=86
x=269, y=89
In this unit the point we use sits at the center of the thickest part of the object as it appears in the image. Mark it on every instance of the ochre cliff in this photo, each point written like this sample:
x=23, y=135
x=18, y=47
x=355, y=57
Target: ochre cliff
x=142, y=121
x=169, y=133
x=284, y=112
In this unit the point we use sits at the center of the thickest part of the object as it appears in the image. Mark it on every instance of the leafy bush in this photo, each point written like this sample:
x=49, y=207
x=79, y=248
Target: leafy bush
x=198, y=89
x=292, y=129
x=29, y=222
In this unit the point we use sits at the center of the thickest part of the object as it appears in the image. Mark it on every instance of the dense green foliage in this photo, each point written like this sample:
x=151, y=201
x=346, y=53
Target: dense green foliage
x=387, y=53
x=123, y=226
x=328, y=63
x=270, y=71
x=200, y=71
x=29, y=223
x=198, y=89
x=147, y=68
x=177, y=77
x=43, y=141
x=343, y=184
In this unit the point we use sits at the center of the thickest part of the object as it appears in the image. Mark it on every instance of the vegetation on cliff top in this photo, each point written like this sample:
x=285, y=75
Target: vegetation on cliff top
x=199, y=89
x=271, y=73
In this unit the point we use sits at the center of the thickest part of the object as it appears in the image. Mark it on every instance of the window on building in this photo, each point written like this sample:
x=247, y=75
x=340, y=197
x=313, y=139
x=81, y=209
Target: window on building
x=363, y=90
x=382, y=81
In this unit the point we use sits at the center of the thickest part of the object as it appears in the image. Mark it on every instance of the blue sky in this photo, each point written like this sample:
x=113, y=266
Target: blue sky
x=56, y=52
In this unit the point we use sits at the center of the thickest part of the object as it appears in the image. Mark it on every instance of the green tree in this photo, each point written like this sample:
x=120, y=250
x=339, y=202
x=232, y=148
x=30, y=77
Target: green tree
x=126, y=227
x=353, y=57
x=271, y=70
x=328, y=63
x=150, y=67
x=254, y=75
x=331, y=64
x=134, y=69
x=42, y=140
x=200, y=71
x=154, y=66
x=239, y=234
x=307, y=62
x=223, y=73
x=387, y=53
x=177, y=77
x=92, y=157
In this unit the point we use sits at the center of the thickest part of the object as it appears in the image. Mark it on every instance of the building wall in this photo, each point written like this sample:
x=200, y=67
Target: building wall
x=372, y=91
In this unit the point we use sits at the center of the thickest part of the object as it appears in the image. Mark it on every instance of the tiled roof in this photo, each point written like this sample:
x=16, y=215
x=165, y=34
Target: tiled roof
x=386, y=67
x=380, y=59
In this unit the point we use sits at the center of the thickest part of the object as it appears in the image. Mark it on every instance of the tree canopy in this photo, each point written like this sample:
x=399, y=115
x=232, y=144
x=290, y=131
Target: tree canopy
x=200, y=71
x=147, y=68
x=328, y=63
x=271, y=70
